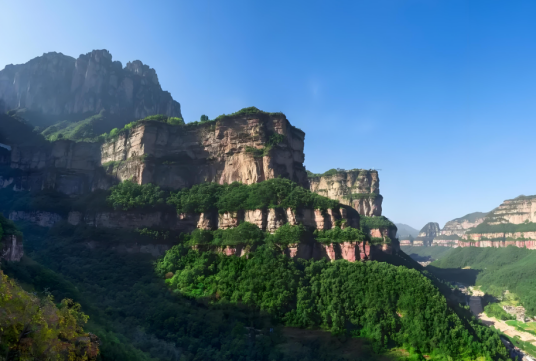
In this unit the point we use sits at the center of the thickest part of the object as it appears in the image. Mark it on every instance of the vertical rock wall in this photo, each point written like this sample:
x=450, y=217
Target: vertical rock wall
x=357, y=188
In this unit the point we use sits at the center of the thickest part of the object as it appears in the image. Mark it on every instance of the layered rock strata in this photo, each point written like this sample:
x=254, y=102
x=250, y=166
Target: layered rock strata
x=516, y=211
x=357, y=188
x=235, y=148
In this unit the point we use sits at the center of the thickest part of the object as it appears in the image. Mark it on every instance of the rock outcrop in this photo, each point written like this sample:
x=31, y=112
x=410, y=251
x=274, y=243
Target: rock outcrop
x=11, y=248
x=235, y=148
x=427, y=234
x=459, y=226
x=516, y=211
x=357, y=188
x=56, y=84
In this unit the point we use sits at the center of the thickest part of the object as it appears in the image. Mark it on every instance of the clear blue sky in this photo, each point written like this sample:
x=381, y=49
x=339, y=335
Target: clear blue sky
x=439, y=95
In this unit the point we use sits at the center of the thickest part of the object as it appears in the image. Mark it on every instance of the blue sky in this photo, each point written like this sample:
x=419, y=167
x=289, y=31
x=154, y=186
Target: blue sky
x=439, y=95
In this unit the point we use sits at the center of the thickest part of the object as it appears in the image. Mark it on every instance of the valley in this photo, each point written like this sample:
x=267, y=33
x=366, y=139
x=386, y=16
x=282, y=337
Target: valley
x=210, y=240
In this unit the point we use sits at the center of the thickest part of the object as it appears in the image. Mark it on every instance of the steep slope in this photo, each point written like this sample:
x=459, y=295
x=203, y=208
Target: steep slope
x=54, y=87
x=357, y=188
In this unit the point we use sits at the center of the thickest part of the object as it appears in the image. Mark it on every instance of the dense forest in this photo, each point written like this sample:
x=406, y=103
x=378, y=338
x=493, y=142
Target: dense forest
x=498, y=270
x=387, y=304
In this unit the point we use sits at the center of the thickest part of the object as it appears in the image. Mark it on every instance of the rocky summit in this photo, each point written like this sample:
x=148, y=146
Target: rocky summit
x=54, y=85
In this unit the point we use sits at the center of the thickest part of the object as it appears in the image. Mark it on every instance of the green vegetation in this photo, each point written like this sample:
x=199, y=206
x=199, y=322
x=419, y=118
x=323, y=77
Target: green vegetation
x=33, y=328
x=436, y=252
x=338, y=235
x=384, y=303
x=529, y=327
x=273, y=193
x=274, y=140
x=499, y=269
x=159, y=118
x=450, y=237
x=335, y=171
x=8, y=228
x=16, y=131
x=368, y=223
x=353, y=196
x=495, y=310
x=134, y=314
x=247, y=111
x=471, y=217
x=503, y=228
x=128, y=195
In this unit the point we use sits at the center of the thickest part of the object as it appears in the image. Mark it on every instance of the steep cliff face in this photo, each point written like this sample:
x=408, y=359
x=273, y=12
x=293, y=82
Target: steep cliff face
x=56, y=84
x=357, y=188
x=243, y=148
x=516, y=211
x=459, y=226
x=427, y=234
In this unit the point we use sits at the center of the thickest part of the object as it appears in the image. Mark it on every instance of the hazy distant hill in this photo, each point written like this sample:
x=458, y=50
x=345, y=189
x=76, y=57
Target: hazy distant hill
x=405, y=230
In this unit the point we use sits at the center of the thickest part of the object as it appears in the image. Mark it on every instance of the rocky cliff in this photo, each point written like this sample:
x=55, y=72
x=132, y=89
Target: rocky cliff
x=248, y=148
x=357, y=188
x=516, y=211
x=427, y=234
x=58, y=85
x=245, y=148
x=460, y=225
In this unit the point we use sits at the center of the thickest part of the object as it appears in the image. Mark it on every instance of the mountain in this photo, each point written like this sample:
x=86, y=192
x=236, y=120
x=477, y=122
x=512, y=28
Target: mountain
x=404, y=231
x=59, y=90
x=459, y=226
x=513, y=223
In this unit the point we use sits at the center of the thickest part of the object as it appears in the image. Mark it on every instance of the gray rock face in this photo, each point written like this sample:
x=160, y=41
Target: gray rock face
x=12, y=249
x=56, y=84
x=427, y=234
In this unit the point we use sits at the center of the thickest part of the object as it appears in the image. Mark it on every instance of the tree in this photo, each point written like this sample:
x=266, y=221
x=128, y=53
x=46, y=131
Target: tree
x=204, y=118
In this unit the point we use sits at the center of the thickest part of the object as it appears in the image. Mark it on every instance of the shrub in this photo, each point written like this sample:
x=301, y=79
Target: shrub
x=273, y=193
x=128, y=195
x=337, y=235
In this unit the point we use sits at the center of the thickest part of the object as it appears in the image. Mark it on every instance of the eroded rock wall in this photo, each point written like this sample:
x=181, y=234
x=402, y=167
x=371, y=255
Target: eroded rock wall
x=518, y=210
x=358, y=188
x=56, y=84
x=170, y=156
x=176, y=157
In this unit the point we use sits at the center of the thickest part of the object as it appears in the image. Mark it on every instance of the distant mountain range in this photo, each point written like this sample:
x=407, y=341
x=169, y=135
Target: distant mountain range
x=404, y=230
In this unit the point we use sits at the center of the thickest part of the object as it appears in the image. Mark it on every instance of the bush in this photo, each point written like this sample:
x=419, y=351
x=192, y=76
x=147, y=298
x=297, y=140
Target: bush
x=273, y=193
x=128, y=195
x=338, y=235
x=368, y=223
